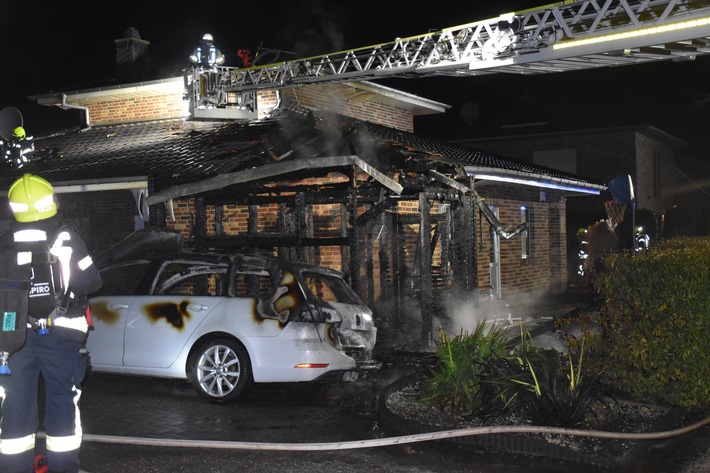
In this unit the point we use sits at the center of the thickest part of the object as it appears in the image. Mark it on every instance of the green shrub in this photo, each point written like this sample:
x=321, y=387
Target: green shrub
x=655, y=322
x=486, y=375
x=461, y=380
x=558, y=389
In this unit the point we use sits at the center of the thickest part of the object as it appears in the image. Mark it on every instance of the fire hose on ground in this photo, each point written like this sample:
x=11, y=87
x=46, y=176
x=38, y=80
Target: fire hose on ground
x=388, y=441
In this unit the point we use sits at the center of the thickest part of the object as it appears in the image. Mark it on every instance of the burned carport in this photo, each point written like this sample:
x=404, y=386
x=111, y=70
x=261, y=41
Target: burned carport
x=402, y=216
x=397, y=213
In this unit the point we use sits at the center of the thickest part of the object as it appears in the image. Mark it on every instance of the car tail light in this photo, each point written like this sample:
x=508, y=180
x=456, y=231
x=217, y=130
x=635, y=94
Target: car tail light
x=311, y=365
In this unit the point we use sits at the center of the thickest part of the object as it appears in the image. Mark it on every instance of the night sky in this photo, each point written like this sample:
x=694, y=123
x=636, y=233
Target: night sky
x=50, y=45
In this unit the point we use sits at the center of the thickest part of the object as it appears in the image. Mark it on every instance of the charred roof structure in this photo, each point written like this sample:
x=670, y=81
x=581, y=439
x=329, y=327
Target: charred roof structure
x=395, y=211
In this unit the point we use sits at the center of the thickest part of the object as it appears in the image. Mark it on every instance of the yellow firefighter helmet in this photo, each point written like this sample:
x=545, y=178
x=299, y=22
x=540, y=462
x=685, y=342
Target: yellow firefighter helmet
x=19, y=133
x=31, y=199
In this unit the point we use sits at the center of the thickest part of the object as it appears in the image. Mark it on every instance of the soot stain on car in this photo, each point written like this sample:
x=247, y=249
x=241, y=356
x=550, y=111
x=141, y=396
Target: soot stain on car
x=283, y=304
x=174, y=314
x=102, y=312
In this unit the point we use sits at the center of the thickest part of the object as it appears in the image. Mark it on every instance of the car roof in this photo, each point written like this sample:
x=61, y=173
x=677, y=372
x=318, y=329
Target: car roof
x=225, y=259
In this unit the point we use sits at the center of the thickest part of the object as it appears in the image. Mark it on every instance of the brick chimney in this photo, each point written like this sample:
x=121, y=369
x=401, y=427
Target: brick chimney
x=131, y=56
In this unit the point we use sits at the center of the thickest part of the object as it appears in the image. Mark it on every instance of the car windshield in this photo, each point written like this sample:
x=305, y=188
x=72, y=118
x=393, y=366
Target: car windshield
x=123, y=279
x=329, y=288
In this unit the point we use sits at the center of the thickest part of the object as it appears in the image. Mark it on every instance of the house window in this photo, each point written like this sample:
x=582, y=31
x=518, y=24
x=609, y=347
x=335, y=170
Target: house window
x=525, y=235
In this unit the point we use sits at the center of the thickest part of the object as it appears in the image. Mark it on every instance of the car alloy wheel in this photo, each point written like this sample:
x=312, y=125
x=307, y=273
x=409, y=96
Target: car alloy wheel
x=220, y=370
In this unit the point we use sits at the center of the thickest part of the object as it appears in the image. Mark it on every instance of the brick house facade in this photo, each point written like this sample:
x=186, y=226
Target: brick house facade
x=417, y=246
x=645, y=153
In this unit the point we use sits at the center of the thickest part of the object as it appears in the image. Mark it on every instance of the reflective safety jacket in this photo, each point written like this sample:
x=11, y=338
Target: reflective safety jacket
x=63, y=273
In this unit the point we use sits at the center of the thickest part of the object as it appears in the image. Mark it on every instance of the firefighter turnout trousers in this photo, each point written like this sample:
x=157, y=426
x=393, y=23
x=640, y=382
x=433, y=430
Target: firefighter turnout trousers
x=58, y=359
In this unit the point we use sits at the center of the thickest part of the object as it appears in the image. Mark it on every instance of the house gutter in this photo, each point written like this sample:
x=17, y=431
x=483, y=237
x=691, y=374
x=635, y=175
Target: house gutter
x=71, y=187
x=60, y=100
x=535, y=180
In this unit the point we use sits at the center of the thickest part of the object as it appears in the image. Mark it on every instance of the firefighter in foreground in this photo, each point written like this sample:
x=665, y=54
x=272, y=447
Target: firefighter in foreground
x=63, y=275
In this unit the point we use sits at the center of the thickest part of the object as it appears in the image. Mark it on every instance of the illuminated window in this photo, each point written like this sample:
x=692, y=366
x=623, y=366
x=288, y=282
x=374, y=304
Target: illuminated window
x=525, y=235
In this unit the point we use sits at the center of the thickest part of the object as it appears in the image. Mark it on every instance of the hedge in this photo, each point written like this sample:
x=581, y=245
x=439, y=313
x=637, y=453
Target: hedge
x=655, y=322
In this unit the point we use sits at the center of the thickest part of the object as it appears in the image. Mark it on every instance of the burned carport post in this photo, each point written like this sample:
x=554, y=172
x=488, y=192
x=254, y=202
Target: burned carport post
x=399, y=279
x=199, y=224
x=465, y=258
x=354, y=234
x=463, y=236
x=425, y=261
x=373, y=221
x=156, y=212
x=301, y=224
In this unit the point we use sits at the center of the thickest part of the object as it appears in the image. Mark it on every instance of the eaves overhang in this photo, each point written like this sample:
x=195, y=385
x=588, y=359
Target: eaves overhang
x=413, y=103
x=481, y=173
x=101, y=185
x=172, y=85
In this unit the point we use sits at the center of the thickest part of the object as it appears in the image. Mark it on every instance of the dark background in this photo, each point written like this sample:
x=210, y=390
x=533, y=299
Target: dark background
x=53, y=45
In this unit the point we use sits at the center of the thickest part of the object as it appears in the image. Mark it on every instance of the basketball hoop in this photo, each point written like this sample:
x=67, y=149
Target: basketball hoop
x=615, y=213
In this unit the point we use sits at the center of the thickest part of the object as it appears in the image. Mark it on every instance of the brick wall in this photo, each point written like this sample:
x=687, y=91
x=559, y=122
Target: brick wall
x=124, y=108
x=545, y=267
x=322, y=97
x=650, y=153
x=134, y=109
x=114, y=109
x=601, y=155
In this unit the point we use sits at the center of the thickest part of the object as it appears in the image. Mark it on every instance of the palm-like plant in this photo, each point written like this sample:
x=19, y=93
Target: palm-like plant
x=460, y=381
x=556, y=392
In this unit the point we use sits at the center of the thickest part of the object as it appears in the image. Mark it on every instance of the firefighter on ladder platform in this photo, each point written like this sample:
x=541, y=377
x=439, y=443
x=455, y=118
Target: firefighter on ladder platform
x=206, y=54
x=62, y=276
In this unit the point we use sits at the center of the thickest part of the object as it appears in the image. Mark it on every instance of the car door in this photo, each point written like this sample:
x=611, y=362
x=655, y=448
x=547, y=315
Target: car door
x=159, y=325
x=109, y=310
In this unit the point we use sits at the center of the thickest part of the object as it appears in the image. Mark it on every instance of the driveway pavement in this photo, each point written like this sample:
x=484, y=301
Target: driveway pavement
x=310, y=413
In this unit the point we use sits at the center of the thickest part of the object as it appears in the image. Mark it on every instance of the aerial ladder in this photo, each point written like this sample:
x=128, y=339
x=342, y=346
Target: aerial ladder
x=563, y=36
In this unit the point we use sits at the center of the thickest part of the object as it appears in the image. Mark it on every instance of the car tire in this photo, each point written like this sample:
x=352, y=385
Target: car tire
x=220, y=370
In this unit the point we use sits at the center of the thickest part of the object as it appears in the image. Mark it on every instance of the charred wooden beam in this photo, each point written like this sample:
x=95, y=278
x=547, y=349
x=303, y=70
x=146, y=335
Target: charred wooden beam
x=269, y=241
x=374, y=212
x=253, y=220
x=400, y=268
x=218, y=220
x=301, y=228
x=315, y=194
x=466, y=256
x=370, y=267
x=413, y=219
x=444, y=231
x=425, y=268
x=344, y=256
x=199, y=227
x=354, y=237
x=385, y=292
x=270, y=171
x=156, y=213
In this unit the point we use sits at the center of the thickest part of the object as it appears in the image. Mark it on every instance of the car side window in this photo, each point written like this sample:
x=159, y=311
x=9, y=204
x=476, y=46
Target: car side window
x=329, y=288
x=123, y=280
x=252, y=282
x=187, y=279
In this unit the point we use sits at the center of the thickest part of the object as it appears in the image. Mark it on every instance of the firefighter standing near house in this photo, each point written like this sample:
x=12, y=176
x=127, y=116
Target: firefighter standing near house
x=62, y=275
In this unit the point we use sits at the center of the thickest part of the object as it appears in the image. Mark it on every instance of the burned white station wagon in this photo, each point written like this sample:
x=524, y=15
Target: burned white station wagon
x=224, y=321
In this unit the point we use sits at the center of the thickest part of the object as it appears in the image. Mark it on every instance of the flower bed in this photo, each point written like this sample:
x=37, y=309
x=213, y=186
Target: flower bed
x=402, y=413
